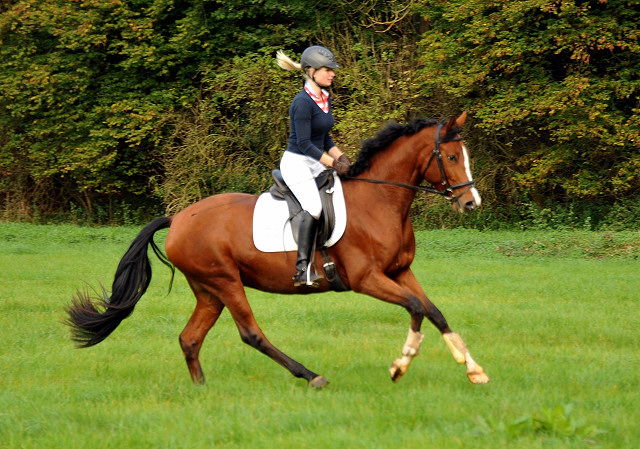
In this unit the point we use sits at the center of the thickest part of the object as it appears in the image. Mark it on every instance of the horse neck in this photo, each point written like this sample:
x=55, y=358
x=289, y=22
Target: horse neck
x=402, y=161
x=399, y=163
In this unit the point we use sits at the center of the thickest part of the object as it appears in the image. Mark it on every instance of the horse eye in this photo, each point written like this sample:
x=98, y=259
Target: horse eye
x=453, y=158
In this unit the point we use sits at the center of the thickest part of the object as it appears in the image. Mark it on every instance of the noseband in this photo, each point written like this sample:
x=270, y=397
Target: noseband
x=448, y=191
x=444, y=180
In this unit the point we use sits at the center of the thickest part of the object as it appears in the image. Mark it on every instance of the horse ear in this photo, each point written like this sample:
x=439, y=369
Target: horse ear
x=451, y=125
x=455, y=123
x=460, y=120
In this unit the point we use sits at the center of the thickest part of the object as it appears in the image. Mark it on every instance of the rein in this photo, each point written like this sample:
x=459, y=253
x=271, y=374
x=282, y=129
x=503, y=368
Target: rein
x=436, y=154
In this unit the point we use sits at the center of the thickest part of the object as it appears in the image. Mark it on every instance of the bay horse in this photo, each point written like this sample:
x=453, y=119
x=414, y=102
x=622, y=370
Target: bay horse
x=211, y=243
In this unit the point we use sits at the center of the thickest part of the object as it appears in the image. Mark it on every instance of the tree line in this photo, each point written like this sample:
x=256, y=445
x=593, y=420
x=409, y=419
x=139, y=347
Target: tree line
x=112, y=111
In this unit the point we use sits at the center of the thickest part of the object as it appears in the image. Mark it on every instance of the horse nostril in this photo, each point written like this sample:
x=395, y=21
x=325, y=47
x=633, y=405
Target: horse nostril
x=470, y=205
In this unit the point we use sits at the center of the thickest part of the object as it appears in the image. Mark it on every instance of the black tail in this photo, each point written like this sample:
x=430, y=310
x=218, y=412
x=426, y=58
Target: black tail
x=92, y=320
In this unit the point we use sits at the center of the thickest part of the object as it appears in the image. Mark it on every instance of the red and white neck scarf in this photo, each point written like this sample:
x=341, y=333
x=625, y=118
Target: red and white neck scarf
x=322, y=101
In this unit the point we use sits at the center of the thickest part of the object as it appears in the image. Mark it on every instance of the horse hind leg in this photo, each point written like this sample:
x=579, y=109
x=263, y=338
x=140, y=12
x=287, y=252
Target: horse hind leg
x=208, y=309
x=251, y=334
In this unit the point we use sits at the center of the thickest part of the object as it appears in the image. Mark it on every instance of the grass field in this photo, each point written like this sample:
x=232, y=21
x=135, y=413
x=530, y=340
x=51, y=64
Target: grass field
x=552, y=317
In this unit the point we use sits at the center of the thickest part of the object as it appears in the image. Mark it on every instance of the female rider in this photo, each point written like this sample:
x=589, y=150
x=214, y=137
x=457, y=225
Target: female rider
x=310, y=147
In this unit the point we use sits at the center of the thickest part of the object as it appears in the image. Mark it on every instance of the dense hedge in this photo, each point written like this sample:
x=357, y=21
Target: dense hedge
x=112, y=111
x=556, y=82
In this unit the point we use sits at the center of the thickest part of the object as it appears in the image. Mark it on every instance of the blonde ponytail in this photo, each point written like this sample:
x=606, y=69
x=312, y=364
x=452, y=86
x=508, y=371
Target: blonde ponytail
x=286, y=62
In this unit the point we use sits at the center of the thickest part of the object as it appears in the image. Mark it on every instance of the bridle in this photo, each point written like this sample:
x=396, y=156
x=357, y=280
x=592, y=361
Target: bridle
x=448, y=191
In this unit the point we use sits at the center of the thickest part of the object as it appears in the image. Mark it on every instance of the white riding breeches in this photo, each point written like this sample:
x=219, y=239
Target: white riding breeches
x=299, y=172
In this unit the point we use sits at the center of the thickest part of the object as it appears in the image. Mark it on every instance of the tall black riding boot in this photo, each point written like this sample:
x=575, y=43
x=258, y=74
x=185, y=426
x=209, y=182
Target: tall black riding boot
x=306, y=237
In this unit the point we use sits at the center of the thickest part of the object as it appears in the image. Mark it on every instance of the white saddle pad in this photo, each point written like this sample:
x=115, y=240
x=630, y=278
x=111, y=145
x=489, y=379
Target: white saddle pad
x=272, y=229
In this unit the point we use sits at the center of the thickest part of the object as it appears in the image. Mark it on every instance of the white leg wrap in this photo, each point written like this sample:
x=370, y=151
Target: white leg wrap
x=457, y=347
x=411, y=347
x=471, y=364
x=475, y=373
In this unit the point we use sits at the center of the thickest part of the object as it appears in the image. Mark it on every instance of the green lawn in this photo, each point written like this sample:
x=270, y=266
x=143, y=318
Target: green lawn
x=551, y=316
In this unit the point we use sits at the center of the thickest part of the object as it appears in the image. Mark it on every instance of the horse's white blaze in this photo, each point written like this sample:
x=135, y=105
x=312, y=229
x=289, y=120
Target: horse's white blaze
x=467, y=168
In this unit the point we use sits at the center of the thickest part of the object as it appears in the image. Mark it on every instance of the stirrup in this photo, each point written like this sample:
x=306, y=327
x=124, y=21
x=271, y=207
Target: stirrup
x=307, y=277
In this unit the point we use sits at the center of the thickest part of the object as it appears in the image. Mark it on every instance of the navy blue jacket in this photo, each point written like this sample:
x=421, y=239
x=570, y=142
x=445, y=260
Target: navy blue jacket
x=310, y=126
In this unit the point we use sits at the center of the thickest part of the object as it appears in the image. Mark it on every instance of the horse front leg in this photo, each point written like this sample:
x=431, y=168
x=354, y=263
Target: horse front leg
x=382, y=287
x=461, y=354
x=410, y=350
x=454, y=342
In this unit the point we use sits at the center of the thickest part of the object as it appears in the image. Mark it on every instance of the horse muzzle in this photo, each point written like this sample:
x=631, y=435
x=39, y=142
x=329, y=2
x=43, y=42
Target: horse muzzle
x=468, y=201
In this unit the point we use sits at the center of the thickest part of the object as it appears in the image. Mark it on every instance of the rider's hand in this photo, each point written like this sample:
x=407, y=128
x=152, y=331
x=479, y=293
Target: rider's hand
x=340, y=166
x=344, y=159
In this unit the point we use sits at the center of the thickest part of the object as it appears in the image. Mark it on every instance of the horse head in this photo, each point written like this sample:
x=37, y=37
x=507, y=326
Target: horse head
x=448, y=168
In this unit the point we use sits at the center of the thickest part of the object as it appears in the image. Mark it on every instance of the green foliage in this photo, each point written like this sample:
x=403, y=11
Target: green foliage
x=375, y=84
x=87, y=88
x=552, y=422
x=234, y=136
x=90, y=94
x=434, y=213
x=578, y=244
x=152, y=104
x=557, y=79
x=83, y=91
x=236, y=133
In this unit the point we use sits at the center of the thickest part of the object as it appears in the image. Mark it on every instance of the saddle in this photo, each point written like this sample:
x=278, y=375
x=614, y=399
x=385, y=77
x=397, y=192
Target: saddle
x=280, y=191
x=326, y=223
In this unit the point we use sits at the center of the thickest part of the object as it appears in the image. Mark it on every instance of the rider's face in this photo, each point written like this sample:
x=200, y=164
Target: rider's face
x=323, y=76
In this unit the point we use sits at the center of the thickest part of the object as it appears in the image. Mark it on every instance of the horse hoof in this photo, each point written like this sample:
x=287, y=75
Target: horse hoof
x=318, y=382
x=478, y=377
x=395, y=372
x=198, y=380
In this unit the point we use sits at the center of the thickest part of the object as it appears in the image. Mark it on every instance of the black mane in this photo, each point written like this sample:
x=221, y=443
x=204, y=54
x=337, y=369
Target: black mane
x=384, y=138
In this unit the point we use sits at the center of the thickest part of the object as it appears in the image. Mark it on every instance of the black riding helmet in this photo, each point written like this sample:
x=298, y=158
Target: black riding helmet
x=317, y=56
